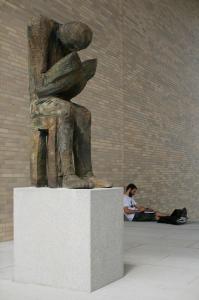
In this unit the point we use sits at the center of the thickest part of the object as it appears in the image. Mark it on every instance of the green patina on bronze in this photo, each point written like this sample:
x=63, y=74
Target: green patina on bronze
x=61, y=130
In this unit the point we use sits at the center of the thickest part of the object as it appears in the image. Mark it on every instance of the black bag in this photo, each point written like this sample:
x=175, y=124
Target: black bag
x=178, y=217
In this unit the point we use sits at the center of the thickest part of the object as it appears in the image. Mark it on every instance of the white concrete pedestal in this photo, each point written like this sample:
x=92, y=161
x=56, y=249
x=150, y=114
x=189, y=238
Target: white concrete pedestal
x=68, y=238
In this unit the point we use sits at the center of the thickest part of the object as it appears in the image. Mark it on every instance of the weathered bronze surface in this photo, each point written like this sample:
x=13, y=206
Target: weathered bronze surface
x=61, y=130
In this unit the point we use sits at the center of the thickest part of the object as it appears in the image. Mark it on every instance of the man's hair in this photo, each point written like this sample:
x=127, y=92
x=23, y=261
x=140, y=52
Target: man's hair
x=131, y=186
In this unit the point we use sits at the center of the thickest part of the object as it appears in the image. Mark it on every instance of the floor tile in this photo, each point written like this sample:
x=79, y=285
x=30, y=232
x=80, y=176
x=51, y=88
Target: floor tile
x=161, y=263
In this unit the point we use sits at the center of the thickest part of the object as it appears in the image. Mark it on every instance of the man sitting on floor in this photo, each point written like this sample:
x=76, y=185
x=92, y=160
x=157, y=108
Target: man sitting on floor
x=133, y=212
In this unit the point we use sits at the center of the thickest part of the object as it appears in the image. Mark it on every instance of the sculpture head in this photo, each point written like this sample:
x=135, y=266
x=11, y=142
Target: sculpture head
x=75, y=35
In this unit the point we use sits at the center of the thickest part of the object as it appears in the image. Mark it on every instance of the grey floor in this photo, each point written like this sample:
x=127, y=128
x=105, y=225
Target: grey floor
x=161, y=262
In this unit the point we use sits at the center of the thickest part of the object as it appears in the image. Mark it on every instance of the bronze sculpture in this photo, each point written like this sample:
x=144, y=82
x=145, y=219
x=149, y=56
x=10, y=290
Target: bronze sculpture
x=61, y=149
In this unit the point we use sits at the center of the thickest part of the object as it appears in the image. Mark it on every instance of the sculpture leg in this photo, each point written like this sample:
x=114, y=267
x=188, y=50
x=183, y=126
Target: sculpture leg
x=54, y=107
x=82, y=147
x=66, y=172
x=44, y=152
x=65, y=127
x=82, y=141
x=38, y=158
x=52, y=171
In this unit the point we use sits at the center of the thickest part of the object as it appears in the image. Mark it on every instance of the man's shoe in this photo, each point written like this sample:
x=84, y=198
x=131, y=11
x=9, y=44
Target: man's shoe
x=184, y=212
x=182, y=220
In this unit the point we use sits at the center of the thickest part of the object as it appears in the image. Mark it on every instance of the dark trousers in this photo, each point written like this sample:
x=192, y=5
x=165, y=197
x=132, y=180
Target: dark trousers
x=176, y=214
x=143, y=216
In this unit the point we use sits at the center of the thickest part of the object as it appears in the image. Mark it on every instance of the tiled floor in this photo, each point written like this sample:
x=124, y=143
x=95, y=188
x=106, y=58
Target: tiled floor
x=161, y=263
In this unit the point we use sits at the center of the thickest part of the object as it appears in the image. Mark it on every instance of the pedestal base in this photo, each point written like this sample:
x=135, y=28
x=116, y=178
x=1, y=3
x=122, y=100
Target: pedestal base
x=68, y=238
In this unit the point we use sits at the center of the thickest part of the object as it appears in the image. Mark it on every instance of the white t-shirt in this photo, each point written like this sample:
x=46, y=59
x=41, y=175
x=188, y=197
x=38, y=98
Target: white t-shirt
x=130, y=203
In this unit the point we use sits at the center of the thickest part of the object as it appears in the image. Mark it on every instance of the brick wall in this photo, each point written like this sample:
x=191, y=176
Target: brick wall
x=143, y=98
x=161, y=101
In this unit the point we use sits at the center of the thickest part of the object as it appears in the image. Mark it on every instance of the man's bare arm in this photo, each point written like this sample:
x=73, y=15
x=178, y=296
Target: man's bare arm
x=129, y=211
x=140, y=208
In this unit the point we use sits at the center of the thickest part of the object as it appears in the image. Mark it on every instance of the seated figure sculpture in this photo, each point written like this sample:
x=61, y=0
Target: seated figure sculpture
x=61, y=149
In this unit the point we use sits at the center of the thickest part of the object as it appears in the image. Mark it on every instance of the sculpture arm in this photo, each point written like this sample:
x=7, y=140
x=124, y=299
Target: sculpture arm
x=62, y=84
x=67, y=74
x=61, y=76
x=64, y=66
